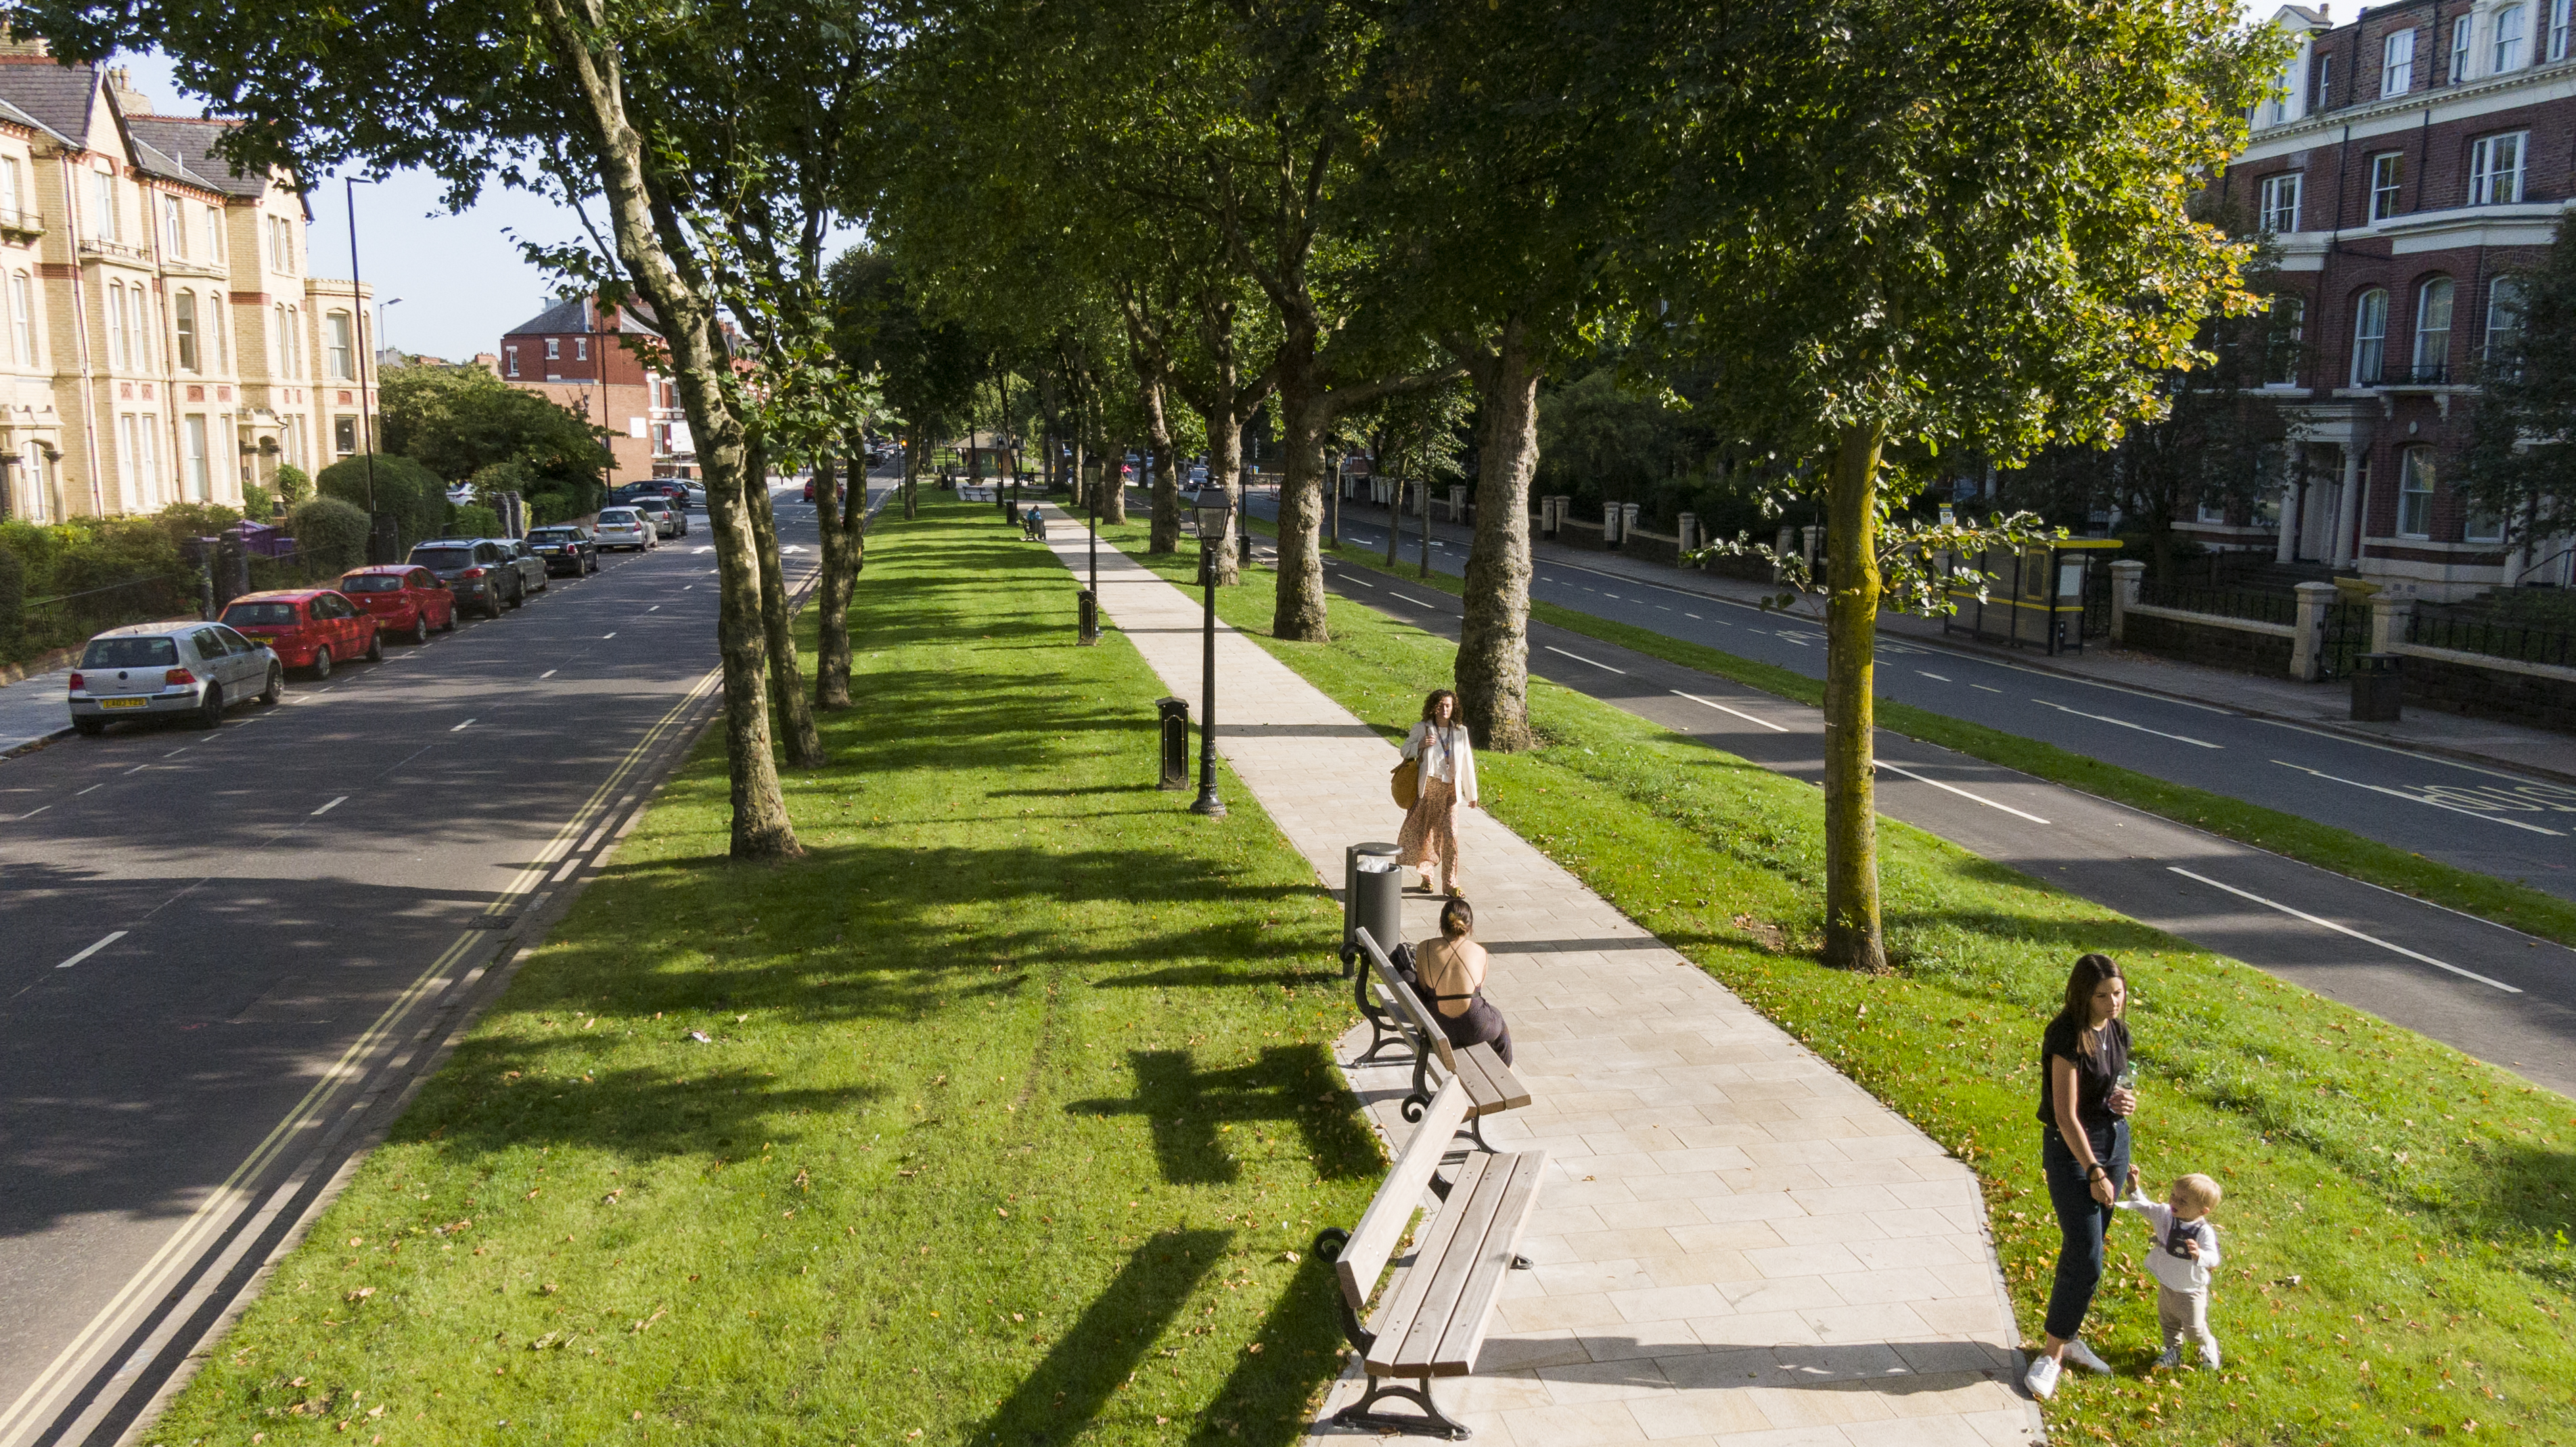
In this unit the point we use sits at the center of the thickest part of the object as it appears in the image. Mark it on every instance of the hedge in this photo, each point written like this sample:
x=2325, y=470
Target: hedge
x=410, y=492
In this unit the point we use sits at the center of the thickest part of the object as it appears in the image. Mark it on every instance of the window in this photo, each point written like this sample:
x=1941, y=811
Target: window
x=138, y=337
x=2559, y=16
x=2495, y=169
x=135, y=478
x=215, y=331
x=512, y=353
x=174, y=227
x=2504, y=314
x=2507, y=50
x=2484, y=525
x=2459, y=49
x=2369, y=337
x=2289, y=327
x=184, y=319
x=147, y=432
x=344, y=435
x=343, y=349
x=214, y=233
x=105, y=223
x=2397, y=63
x=2325, y=82
x=2433, y=330
x=2277, y=109
x=295, y=361
x=554, y=348
x=2415, y=493
x=12, y=188
x=2281, y=202
x=2212, y=512
x=116, y=326
x=22, y=320
x=200, y=475
x=581, y=349
x=2387, y=177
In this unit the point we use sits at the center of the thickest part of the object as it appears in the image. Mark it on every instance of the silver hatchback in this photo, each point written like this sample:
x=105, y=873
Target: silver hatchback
x=186, y=670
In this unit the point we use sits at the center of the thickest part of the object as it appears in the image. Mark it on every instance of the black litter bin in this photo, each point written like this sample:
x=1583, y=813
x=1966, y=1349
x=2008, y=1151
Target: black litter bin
x=1176, y=742
x=1372, y=899
x=2378, y=687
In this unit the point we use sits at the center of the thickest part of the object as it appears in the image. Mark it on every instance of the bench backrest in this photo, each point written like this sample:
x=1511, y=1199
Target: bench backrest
x=1373, y=1241
x=1408, y=1006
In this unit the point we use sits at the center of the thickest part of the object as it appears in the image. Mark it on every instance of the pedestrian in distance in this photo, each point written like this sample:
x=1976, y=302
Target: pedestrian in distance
x=2186, y=1247
x=1438, y=745
x=1451, y=972
x=2086, y=1094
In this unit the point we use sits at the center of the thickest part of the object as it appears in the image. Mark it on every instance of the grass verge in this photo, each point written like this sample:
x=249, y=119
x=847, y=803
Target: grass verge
x=2396, y=1229
x=2503, y=900
x=996, y=1118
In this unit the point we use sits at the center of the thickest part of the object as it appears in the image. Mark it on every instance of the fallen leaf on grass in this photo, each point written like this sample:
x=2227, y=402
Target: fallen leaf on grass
x=700, y=1036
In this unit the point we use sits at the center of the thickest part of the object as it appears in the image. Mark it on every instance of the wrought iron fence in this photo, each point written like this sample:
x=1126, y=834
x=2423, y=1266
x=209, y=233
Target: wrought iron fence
x=2346, y=633
x=68, y=618
x=2256, y=605
x=2469, y=633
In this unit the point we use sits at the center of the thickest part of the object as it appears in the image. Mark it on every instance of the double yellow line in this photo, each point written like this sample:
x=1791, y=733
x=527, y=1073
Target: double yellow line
x=26, y=1417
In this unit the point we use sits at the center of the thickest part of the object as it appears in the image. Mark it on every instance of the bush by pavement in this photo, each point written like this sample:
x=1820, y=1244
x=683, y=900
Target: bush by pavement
x=400, y=486
x=330, y=535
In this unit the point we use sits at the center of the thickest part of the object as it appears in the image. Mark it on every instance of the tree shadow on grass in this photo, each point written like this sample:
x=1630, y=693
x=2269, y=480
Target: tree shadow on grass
x=1188, y=1110
x=1105, y=1349
x=1263, y=1400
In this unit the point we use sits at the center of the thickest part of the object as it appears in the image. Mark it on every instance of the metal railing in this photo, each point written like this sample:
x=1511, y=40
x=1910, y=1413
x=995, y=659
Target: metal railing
x=69, y=618
x=2253, y=605
x=2467, y=633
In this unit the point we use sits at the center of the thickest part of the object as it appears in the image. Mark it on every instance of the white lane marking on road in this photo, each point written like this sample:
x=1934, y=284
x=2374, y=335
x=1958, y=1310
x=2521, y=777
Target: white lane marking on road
x=174, y=753
x=606, y=636
x=460, y=728
x=2420, y=799
x=93, y=786
x=1613, y=597
x=1936, y=678
x=1579, y=658
x=549, y=673
x=138, y=768
x=1416, y=602
x=1983, y=688
x=1739, y=713
x=684, y=587
x=93, y=949
x=2344, y=930
x=327, y=808
x=1363, y=582
x=1962, y=793
x=708, y=549
x=2124, y=723
x=32, y=813
x=1694, y=615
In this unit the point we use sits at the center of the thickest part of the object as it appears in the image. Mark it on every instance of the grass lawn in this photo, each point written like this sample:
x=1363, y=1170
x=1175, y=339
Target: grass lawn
x=2324, y=845
x=2396, y=1229
x=996, y=1119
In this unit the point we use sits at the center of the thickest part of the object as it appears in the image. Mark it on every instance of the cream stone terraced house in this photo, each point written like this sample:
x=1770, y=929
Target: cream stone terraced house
x=164, y=340
x=2419, y=153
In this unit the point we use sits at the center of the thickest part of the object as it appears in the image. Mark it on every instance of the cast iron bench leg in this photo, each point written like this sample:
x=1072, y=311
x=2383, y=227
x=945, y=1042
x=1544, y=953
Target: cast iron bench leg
x=1433, y=1419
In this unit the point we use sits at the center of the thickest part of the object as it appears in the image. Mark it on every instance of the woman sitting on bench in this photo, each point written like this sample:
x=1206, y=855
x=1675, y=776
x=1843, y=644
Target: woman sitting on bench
x=1452, y=971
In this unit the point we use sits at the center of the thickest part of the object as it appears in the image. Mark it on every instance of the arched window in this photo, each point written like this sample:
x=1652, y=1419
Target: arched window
x=116, y=326
x=2369, y=337
x=22, y=319
x=2433, y=330
x=2504, y=315
x=2415, y=493
x=183, y=320
x=2282, y=349
x=2507, y=51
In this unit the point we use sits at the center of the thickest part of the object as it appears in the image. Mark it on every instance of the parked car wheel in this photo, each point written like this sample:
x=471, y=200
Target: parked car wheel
x=420, y=627
x=450, y=625
x=376, y=646
x=519, y=599
x=211, y=712
x=321, y=664
x=276, y=685
x=492, y=604
x=89, y=728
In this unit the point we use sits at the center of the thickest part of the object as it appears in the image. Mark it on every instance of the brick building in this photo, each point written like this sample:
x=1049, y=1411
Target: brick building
x=573, y=354
x=160, y=339
x=2421, y=151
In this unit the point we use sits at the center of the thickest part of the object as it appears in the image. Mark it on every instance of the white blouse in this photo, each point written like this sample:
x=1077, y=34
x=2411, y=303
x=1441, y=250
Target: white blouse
x=1444, y=754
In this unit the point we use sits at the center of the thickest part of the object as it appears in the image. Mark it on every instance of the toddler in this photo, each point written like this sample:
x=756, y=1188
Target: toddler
x=2184, y=1250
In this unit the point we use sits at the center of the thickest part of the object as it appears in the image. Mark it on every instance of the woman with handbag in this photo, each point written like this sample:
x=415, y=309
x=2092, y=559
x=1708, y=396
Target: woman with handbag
x=1444, y=776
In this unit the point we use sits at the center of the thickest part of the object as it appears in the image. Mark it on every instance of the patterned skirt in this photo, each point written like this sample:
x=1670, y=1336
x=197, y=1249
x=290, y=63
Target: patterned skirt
x=1429, y=839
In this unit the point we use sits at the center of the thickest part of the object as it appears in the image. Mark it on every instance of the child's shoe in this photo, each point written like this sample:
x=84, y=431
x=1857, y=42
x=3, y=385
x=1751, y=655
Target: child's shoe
x=2083, y=1356
x=2172, y=1358
x=2209, y=1355
x=2042, y=1378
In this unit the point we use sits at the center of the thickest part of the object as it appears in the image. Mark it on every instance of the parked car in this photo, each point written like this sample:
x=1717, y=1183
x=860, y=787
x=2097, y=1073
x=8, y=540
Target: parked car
x=405, y=599
x=310, y=628
x=475, y=571
x=624, y=527
x=667, y=521
x=697, y=494
x=566, y=549
x=166, y=670
x=533, y=577
x=675, y=490
x=809, y=490
x=626, y=493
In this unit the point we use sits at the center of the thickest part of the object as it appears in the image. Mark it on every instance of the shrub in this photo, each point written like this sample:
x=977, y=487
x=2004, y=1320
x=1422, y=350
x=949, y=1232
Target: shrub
x=475, y=520
x=293, y=486
x=259, y=505
x=182, y=520
x=330, y=535
x=13, y=600
x=410, y=492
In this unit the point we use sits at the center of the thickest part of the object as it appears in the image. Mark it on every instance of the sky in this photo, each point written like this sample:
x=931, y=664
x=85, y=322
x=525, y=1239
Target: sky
x=460, y=278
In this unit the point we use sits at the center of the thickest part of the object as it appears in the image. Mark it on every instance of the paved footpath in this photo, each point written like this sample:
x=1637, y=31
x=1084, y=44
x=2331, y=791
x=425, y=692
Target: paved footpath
x=1734, y=1244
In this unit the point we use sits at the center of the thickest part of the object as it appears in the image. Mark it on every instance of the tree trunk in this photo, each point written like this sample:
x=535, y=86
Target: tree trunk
x=1394, y=514
x=761, y=828
x=912, y=475
x=1493, y=637
x=1225, y=469
x=1113, y=484
x=841, y=510
x=1851, y=621
x=802, y=741
x=1166, y=534
x=1304, y=417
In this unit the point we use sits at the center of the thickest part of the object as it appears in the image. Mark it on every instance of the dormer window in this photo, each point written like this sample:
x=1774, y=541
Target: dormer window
x=2509, y=25
x=2397, y=62
x=2277, y=110
x=2459, y=49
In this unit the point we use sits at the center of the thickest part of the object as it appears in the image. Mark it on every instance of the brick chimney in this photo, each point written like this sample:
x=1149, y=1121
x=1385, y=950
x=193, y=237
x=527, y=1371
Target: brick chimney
x=120, y=83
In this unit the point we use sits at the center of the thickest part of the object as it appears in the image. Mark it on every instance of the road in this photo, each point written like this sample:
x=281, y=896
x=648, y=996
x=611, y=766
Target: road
x=2492, y=992
x=231, y=952
x=2486, y=819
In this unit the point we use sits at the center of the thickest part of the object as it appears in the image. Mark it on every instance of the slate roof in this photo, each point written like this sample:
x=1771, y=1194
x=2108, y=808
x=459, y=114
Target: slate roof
x=190, y=143
x=12, y=113
x=571, y=315
x=57, y=96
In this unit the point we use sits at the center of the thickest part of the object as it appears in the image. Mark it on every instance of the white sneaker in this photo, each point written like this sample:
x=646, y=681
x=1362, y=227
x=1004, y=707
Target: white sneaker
x=2082, y=1355
x=2208, y=1354
x=2042, y=1377
x=2171, y=1360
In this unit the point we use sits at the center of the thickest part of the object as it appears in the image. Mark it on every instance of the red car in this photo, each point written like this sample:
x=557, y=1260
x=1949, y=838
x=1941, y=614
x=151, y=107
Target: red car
x=306, y=627
x=406, y=601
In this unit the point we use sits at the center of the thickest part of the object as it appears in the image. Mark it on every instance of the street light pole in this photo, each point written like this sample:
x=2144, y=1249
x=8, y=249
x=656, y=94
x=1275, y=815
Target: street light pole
x=1214, y=513
x=366, y=357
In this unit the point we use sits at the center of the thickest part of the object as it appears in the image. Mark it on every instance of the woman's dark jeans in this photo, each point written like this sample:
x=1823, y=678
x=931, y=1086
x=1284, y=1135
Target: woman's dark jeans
x=2082, y=1222
x=1482, y=1024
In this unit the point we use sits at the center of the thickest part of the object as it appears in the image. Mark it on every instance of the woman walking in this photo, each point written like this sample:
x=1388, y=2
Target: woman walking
x=1429, y=839
x=1452, y=971
x=2085, y=1096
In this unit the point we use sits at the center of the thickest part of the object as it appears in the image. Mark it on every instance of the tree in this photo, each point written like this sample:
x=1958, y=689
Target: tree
x=393, y=484
x=2522, y=438
x=1933, y=226
x=926, y=367
x=463, y=422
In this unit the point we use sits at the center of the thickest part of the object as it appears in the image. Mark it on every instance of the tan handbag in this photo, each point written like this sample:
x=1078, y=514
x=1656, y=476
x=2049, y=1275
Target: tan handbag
x=1406, y=783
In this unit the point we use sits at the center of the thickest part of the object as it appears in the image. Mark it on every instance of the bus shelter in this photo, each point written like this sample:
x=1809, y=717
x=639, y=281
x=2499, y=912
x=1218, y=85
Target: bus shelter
x=2038, y=595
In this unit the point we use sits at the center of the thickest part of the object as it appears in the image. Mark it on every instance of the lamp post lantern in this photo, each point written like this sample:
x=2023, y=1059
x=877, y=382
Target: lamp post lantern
x=1214, y=513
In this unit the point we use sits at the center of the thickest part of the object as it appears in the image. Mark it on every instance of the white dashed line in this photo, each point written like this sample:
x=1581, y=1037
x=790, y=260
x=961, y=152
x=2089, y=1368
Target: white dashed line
x=1579, y=658
x=93, y=949
x=1983, y=689
x=1739, y=713
x=1936, y=678
x=460, y=728
x=1962, y=793
x=2124, y=723
x=2419, y=799
x=604, y=637
x=2343, y=930
x=334, y=804
x=549, y=673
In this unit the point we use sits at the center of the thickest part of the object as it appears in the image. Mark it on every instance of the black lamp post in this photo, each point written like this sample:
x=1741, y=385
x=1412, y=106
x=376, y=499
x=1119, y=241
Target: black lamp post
x=1214, y=512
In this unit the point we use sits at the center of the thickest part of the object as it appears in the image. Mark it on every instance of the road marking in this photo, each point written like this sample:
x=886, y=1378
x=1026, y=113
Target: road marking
x=656, y=608
x=1983, y=688
x=1936, y=678
x=2344, y=930
x=1416, y=602
x=1613, y=597
x=174, y=753
x=327, y=808
x=1579, y=658
x=1962, y=793
x=2124, y=723
x=1739, y=713
x=93, y=949
x=605, y=636
x=460, y=728
x=32, y=813
x=1347, y=578
x=93, y=786
x=2420, y=799
x=566, y=872
x=549, y=673
x=138, y=768
x=684, y=587
x=707, y=549
x=1694, y=615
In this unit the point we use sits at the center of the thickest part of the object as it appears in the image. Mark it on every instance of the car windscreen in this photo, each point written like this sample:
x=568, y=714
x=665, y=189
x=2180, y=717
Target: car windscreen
x=444, y=559
x=372, y=583
x=617, y=516
x=261, y=615
x=130, y=653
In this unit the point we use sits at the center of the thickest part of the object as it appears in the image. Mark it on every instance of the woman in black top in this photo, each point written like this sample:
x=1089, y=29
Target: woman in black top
x=2084, y=1105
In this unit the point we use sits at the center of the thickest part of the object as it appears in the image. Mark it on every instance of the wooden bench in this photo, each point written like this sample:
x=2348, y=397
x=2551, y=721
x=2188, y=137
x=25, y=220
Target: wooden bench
x=1490, y=1084
x=1431, y=1319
